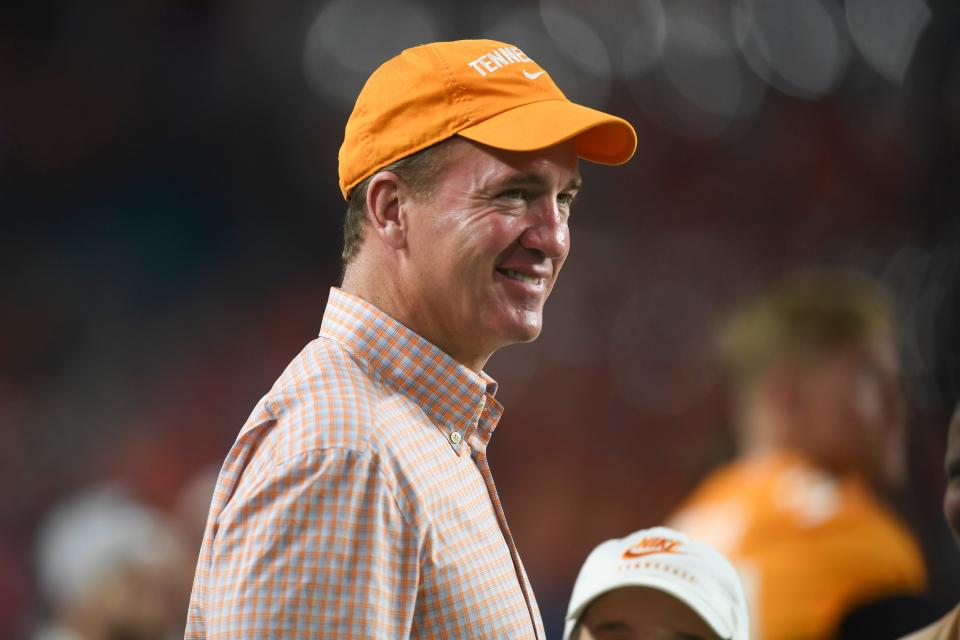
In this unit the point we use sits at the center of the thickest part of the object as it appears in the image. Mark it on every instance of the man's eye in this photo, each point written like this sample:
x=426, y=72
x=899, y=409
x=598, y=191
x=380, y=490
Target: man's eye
x=514, y=194
x=566, y=199
x=953, y=470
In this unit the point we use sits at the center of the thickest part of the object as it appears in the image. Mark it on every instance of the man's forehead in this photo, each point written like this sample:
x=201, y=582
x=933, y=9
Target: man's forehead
x=542, y=165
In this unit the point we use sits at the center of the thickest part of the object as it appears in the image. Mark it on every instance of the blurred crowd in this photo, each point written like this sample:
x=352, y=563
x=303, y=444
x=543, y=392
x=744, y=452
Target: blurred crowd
x=171, y=225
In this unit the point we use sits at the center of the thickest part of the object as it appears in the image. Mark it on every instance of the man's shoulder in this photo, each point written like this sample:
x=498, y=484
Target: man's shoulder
x=739, y=480
x=783, y=488
x=759, y=498
x=325, y=398
x=765, y=505
x=328, y=398
x=719, y=509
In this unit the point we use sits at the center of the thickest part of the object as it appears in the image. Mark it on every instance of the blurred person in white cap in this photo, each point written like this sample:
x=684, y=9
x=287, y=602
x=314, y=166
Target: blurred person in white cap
x=108, y=567
x=657, y=584
x=357, y=500
x=820, y=428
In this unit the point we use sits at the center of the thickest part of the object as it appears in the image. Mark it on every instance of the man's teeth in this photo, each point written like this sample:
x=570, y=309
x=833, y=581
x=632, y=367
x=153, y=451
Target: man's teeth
x=516, y=275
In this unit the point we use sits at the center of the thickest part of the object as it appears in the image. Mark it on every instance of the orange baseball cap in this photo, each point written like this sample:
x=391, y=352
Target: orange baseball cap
x=486, y=91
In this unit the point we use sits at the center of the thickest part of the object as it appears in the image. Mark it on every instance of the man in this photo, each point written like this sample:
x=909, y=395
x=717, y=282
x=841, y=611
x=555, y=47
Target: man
x=820, y=428
x=357, y=501
x=657, y=584
x=948, y=627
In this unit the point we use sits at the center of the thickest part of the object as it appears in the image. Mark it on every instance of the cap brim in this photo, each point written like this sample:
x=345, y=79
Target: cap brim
x=697, y=605
x=600, y=137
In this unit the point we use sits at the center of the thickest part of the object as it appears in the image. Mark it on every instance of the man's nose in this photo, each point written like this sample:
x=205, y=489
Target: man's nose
x=547, y=231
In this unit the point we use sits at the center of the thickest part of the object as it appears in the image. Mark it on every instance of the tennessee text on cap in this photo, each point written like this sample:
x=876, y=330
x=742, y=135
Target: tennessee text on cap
x=667, y=560
x=483, y=90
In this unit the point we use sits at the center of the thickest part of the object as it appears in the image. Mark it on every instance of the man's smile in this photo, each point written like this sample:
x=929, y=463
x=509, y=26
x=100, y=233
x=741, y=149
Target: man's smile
x=527, y=278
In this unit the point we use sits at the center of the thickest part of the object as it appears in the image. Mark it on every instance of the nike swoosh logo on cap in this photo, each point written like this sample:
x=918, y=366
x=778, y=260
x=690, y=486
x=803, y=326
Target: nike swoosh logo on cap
x=533, y=76
x=649, y=546
x=629, y=553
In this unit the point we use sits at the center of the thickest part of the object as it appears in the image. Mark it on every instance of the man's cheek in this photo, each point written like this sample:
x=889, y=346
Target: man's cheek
x=951, y=510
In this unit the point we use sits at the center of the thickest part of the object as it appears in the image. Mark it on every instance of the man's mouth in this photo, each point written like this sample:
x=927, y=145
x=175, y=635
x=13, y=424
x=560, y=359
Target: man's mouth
x=522, y=277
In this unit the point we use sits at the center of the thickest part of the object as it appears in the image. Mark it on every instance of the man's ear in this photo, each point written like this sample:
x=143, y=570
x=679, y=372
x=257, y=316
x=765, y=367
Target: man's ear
x=386, y=216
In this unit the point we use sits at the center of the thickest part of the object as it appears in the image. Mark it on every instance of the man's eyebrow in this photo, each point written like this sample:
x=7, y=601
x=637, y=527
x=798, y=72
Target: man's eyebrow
x=612, y=625
x=538, y=180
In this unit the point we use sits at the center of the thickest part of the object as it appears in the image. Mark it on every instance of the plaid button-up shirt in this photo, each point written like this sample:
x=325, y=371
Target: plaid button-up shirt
x=357, y=501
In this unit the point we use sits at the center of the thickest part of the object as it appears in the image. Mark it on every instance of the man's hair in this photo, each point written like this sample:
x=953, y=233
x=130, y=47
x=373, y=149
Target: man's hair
x=812, y=313
x=418, y=171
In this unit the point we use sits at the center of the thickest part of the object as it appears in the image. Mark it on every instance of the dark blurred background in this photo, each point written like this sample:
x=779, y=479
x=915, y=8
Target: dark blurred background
x=171, y=226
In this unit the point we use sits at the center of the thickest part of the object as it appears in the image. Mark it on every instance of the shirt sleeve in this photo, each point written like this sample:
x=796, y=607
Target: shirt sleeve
x=317, y=548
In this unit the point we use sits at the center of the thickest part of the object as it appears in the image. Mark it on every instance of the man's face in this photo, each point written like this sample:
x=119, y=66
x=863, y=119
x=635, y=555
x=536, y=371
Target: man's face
x=640, y=613
x=486, y=245
x=951, y=499
x=856, y=411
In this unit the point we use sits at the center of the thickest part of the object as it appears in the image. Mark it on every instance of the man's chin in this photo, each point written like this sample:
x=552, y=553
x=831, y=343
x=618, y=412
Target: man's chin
x=528, y=333
x=520, y=332
x=508, y=327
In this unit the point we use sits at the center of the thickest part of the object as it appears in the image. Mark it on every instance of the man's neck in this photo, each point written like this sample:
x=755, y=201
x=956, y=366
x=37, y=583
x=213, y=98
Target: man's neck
x=404, y=309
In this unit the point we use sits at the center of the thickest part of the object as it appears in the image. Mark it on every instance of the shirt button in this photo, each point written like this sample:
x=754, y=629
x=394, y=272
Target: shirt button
x=455, y=437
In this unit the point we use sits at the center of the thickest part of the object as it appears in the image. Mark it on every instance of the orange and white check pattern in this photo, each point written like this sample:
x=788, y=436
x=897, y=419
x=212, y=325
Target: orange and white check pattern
x=357, y=501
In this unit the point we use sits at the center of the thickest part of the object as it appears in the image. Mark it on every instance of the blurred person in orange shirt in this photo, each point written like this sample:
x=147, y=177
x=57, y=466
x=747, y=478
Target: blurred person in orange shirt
x=820, y=428
x=948, y=627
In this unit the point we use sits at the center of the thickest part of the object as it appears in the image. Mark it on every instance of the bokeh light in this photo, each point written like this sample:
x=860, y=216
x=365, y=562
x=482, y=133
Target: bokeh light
x=348, y=39
x=800, y=48
x=886, y=32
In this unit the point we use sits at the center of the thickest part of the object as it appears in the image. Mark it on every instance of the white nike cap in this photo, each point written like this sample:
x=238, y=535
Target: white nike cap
x=667, y=560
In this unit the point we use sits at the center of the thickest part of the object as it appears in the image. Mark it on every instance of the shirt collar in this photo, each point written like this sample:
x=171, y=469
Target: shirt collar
x=452, y=395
